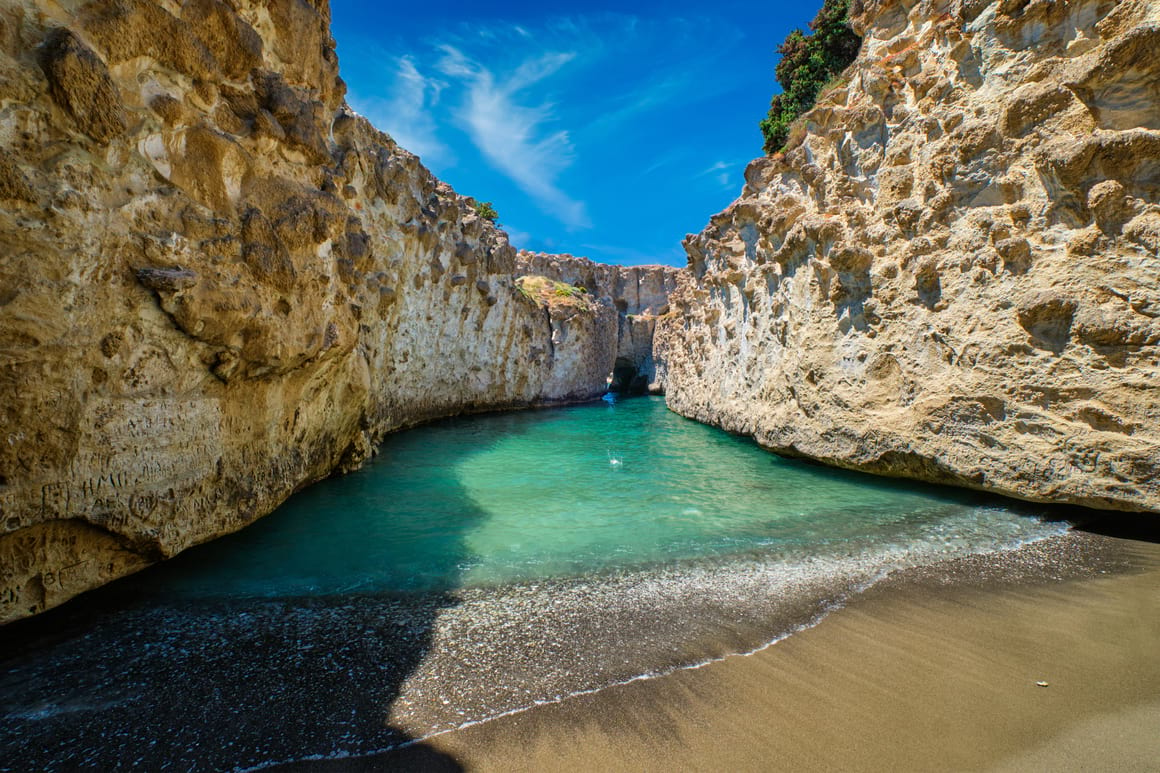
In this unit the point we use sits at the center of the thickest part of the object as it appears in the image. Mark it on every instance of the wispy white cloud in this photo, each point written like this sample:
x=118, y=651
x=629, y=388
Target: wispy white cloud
x=551, y=105
x=518, y=237
x=665, y=160
x=514, y=131
x=722, y=172
x=407, y=112
x=671, y=255
x=640, y=99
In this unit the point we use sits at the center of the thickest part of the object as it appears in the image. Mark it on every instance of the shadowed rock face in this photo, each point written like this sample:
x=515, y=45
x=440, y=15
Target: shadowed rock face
x=954, y=276
x=218, y=285
x=639, y=294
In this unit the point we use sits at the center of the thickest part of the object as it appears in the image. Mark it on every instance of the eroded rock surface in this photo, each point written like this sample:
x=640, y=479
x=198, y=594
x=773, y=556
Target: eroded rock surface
x=953, y=277
x=639, y=294
x=217, y=284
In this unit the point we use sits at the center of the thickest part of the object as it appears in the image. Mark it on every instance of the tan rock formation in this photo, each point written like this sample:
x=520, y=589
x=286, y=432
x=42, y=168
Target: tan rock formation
x=217, y=285
x=953, y=276
x=573, y=315
x=640, y=294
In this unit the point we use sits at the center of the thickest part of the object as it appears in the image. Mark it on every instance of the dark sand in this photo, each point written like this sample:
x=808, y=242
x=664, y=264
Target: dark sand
x=930, y=670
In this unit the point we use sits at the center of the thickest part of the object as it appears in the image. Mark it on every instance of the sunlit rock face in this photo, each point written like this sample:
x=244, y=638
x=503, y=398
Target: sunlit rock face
x=639, y=294
x=953, y=277
x=217, y=284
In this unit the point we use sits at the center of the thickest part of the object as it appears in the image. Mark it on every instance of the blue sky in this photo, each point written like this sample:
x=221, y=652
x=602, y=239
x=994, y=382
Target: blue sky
x=608, y=130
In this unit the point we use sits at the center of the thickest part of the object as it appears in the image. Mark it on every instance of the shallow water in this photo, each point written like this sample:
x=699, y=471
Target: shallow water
x=475, y=567
x=567, y=492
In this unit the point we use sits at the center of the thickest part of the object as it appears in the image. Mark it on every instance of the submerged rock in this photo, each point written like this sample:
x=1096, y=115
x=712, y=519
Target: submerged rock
x=953, y=277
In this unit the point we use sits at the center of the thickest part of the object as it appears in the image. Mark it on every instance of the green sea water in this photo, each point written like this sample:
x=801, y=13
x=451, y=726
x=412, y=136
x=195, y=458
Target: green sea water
x=518, y=497
x=475, y=568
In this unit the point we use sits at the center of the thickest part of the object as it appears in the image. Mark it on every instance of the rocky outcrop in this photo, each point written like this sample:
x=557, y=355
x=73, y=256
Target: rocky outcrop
x=953, y=276
x=218, y=285
x=639, y=294
x=583, y=334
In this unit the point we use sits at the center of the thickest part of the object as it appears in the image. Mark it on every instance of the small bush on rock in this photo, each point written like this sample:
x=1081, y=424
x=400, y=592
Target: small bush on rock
x=549, y=292
x=808, y=63
x=485, y=210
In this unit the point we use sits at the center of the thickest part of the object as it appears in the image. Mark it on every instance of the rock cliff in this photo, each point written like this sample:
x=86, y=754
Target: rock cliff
x=639, y=294
x=217, y=284
x=953, y=275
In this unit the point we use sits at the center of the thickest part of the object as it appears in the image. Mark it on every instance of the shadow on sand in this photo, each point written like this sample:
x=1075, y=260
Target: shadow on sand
x=135, y=676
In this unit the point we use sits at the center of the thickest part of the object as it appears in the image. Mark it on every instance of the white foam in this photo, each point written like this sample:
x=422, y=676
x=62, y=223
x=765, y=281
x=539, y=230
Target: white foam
x=509, y=610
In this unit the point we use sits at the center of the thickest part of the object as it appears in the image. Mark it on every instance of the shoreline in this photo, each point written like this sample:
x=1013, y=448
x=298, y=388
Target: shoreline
x=930, y=668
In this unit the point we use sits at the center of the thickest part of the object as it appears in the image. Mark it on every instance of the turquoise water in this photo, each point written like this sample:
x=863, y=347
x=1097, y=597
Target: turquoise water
x=514, y=497
x=476, y=567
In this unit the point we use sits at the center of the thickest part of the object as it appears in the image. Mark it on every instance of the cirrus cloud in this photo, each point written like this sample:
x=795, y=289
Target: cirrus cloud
x=514, y=131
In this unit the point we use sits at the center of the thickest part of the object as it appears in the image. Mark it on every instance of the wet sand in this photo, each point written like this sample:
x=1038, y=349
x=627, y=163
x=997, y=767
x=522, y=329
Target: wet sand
x=929, y=670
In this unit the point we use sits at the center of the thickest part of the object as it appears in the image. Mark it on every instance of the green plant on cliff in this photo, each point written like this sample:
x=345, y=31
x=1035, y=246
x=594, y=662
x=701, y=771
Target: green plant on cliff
x=808, y=63
x=485, y=210
x=564, y=290
x=549, y=292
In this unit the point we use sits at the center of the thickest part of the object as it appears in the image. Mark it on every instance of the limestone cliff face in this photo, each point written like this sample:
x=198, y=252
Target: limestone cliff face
x=953, y=276
x=639, y=294
x=217, y=284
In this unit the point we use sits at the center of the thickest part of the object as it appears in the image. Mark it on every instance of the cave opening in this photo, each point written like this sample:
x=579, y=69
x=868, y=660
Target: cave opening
x=627, y=378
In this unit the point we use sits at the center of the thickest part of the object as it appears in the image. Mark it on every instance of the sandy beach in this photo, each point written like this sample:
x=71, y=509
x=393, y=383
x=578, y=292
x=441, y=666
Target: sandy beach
x=930, y=670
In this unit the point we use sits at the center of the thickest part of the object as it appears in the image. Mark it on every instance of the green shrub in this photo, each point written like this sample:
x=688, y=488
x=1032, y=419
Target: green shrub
x=549, y=292
x=568, y=291
x=808, y=63
x=485, y=210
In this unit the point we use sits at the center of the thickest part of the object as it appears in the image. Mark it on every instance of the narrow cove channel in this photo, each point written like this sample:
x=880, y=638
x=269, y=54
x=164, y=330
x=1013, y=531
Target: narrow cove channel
x=476, y=566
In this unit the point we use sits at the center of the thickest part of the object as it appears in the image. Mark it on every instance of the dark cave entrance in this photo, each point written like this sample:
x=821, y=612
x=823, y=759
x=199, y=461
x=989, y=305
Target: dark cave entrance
x=627, y=378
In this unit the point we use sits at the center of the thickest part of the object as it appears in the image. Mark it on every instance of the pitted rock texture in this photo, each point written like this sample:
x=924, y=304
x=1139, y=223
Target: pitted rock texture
x=217, y=285
x=639, y=294
x=953, y=277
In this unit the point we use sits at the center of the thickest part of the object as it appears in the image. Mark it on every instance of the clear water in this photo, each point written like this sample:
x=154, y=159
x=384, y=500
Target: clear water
x=476, y=567
x=586, y=489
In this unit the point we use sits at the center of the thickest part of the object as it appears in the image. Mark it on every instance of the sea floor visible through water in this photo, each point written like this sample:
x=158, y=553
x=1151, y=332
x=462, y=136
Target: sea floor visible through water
x=478, y=568
x=1037, y=659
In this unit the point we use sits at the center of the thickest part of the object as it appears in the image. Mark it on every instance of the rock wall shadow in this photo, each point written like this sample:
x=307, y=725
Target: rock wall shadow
x=1139, y=527
x=155, y=671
